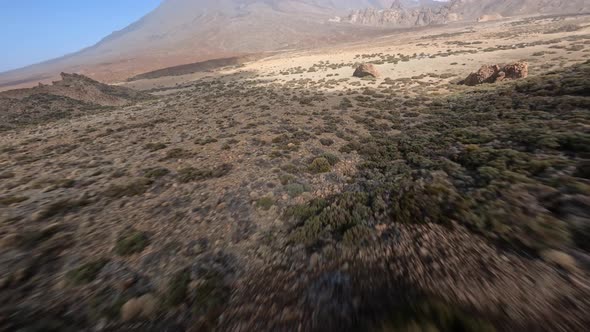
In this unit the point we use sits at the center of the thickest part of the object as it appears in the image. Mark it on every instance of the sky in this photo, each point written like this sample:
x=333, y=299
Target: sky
x=32, y=31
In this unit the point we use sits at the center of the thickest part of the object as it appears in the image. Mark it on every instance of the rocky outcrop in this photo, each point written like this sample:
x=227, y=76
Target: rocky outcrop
x=404, y=16
x=496, y=73
x=81, y=88
x=366, y=69
x=400, y=17
x=400, y=14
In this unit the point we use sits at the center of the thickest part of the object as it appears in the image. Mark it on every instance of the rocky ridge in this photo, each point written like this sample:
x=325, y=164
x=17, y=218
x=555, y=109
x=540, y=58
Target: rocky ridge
x=400, y=14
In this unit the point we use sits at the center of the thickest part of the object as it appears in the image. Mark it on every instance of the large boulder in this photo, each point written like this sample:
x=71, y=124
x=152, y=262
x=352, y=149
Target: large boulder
x=366, y=69
x=485, y=74
x=496, y=73
x=516, y=70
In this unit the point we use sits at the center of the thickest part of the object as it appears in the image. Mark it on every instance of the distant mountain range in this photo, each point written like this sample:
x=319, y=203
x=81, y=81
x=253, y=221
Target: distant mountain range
x=421, y=13
x=187, y=31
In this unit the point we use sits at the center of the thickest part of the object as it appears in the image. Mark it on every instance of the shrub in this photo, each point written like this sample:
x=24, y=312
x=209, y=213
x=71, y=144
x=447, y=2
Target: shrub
x=320, y=165
x=178, y=287
x=210, y=296
x=332, y=159
x=155, y=146
x=6, y=175
x=205, y=141
x=131, y=242
x=427, y=201
x=286, y=179
x=155, y=172
x=265, y=203
x=30, y=239
x=583, y=170
x=295, y=189
x=87, y=272
x=133, y=188
x=290, y=168
x=61, y=207
x=191, y=174
x=433, y=315
x=325, y=221
x=326, y=141
x=177, y=153
x=10, y=200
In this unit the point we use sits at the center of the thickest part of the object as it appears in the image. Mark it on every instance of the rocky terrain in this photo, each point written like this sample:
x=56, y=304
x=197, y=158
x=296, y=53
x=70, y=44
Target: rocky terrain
x=72, y=96
x=402, y=14
x=285, y=194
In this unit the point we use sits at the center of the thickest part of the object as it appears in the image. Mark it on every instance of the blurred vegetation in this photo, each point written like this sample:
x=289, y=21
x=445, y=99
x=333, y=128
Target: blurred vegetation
x=131, y=242
x=433, y=315
x=503, y=160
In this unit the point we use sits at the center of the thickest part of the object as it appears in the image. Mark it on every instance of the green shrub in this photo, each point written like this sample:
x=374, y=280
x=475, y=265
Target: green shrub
x=333, y=220
x=177, y=288
x=300, y=213
x=320, y=165
x=290, y=168
x=155, y=172
x=326, y=141
x=265, y=203
x=61, y=206
x=432, y=200
x=191, y=174
x=86, y=273
x=286, y=179
x=177, y=153
x=131, y=242
x=332, y=159
x=296, y=189
x=205, y=141
x=211, y=294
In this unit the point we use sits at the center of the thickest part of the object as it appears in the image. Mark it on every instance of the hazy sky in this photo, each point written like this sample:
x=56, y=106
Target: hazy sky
x=35, y=30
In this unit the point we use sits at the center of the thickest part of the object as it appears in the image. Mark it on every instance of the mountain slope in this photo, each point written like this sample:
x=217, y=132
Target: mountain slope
x=184, y=31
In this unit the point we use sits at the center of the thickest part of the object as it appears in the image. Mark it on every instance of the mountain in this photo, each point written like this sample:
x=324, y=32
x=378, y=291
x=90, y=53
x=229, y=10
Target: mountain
x=404, y=14
x=186, y=31
x=182, y=32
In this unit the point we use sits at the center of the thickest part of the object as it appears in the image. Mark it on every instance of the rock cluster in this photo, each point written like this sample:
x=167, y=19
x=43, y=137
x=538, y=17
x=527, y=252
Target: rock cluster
x=497, y=73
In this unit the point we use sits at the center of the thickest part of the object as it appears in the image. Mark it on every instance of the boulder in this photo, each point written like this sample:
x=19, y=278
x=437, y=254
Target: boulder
x=140, y=307
x=485, y=74
x=366, y=69
x=516, y=70
x=497, y=73
x=560, y=259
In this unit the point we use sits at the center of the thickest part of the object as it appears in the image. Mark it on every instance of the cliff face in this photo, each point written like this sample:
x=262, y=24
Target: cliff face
x=403, y=15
